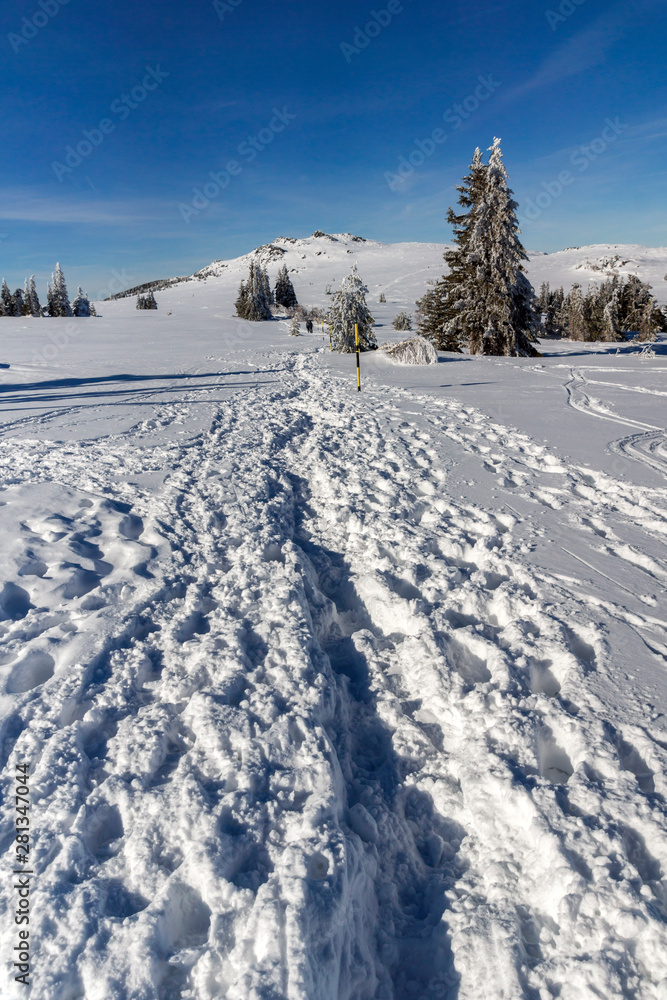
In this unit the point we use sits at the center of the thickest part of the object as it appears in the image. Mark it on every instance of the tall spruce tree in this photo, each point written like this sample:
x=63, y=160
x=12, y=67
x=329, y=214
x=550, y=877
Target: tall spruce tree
x=433, y=318
x=348, y=306
x=35, y=306
x=284, y=292
x=242, y=301
x=260, y=305
x=441, y=316
x=19, y=304
x=268, y=292
x=252, y=303
x=499, y=303
x=61, y=301
x=576, y=326
x=610, y=325
x=485, y=302
x=461, y=324
x=549, y=304
x=651, y=321
x=7, y=300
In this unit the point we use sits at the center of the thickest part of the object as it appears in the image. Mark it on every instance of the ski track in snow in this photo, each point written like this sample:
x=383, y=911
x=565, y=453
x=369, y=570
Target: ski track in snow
x=649, y=447
x=306, y=726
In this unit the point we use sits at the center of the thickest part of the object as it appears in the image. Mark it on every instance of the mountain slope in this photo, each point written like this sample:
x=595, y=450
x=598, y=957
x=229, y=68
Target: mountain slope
x=403, y=269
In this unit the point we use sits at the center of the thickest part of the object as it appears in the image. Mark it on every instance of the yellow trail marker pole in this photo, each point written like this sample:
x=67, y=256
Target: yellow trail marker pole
x=356, y=341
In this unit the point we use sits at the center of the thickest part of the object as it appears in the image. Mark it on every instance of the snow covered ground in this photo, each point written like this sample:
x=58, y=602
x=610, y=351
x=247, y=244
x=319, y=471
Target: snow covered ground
x=327, y=695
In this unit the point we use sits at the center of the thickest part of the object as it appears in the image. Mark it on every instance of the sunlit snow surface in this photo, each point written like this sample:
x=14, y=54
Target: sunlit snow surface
x=328, y=695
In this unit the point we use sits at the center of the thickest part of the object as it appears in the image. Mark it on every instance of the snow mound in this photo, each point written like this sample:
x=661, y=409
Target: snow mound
x=414, y=351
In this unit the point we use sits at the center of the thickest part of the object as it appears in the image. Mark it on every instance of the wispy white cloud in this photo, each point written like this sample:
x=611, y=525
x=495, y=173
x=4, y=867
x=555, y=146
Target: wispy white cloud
x=585, y=50
x=31, y=206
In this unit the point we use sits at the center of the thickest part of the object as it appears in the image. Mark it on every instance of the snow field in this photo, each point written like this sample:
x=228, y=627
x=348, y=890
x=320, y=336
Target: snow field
x=308, y=720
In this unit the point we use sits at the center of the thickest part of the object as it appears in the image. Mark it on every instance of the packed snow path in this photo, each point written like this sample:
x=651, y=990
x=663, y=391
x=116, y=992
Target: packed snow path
x=305, y=721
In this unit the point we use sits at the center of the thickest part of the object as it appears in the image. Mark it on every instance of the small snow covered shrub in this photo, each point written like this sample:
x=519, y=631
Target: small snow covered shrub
x=402, y=322
x=294, y=329
x=415, y=351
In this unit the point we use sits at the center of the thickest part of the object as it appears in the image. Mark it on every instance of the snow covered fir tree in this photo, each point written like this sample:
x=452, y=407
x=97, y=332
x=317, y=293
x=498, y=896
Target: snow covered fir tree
x=348, y=306
x=59, y=304
x=147, y=301
x=402, y=322
x=81, y=304
x=485, y=302
x=607, y=312
x=25, y=301
x=284, y=291
x=6, y=300
x=254, y=298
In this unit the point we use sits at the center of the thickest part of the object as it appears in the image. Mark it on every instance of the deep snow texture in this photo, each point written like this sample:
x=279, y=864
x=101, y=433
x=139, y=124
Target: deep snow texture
x=326, y=695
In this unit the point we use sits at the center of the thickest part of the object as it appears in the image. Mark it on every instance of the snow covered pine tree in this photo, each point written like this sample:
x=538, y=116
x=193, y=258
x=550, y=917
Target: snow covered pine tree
x=498, y=298
x=34, y=298
x=7, y=300
x=402, y=322
x=81, y=305
x=348, y=306
x=144, y=301
x=266, y=286
x=252, y=302
x=608, y=312
x=486, y=301
x=19, y=304
x=284, y=293
x=60, y=298
x=442, y=318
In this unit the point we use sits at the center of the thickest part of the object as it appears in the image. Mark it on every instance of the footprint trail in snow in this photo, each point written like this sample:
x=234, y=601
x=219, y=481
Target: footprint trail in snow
x=308, y=726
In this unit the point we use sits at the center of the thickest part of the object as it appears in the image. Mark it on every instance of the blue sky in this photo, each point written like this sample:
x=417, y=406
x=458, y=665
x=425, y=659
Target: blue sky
x=314, y=119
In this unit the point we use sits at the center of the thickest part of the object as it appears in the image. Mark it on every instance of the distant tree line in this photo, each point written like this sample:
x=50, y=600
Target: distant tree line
x=606, y=312
x=25, y=301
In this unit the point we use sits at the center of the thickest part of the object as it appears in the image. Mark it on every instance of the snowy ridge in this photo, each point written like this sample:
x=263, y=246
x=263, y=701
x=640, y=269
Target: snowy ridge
x=325, y=259
x=306, y=725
